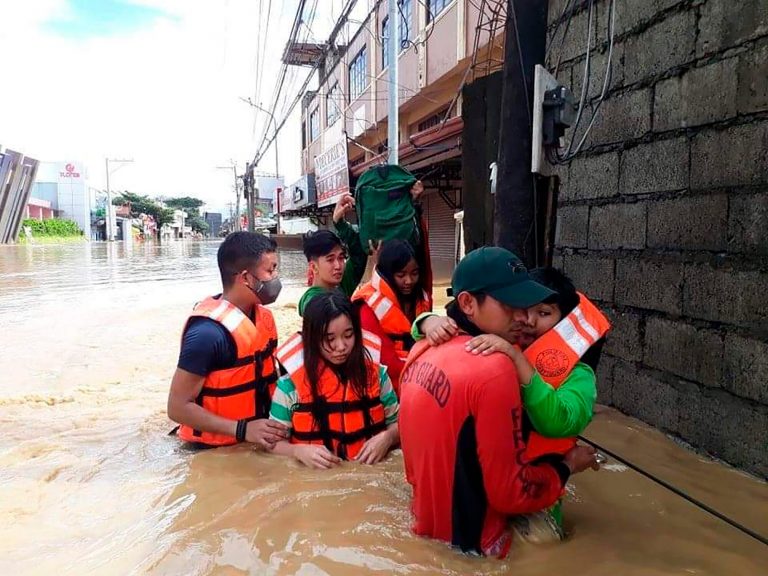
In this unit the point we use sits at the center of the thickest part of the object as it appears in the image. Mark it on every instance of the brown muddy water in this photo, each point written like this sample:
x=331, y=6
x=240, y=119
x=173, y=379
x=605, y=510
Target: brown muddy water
x=90, y=482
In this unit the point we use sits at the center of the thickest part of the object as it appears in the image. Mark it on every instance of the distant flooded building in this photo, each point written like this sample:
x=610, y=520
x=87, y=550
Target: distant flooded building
x=213, y=219
x=64, y=187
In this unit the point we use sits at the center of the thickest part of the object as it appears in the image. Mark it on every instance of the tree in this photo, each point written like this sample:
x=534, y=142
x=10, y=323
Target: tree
x=141, y=204
x=192, y=207
x=185, y=203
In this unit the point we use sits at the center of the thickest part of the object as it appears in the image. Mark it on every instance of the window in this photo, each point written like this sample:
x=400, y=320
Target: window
x=385, y=43
x=303, y=135
x=433, y=120
x=332, y=105
x=314, y=125
x=405, y=31
x=406, y=17
x=358, y=72
x=434, y=7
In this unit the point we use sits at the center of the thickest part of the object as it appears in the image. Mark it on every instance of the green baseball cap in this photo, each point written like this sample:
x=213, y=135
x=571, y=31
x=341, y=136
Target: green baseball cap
x=500, y=274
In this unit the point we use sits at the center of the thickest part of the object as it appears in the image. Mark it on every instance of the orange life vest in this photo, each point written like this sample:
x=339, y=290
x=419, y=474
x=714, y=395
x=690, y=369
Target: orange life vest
x=338, y=418
x=555, y=354
x=383, y=301
x=244, y=390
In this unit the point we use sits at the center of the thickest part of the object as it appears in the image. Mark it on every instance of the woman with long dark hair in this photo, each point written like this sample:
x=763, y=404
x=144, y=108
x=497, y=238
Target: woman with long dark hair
x=391, y=301
x=337, y=401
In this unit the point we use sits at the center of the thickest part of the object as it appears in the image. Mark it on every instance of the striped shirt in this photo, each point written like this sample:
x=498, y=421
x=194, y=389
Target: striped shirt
x=285, y=398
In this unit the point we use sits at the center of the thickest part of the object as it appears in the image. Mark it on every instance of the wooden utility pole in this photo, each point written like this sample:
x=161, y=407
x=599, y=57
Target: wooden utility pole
x=514, y=204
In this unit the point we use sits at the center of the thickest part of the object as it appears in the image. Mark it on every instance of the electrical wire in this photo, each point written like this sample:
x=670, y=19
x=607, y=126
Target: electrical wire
x=553, y=153
x=300, y=93
x=430, y=20
x=587, y=76
x=562, y=40
x=606, y=83
x=473, y=61
x=283, y=69
x=263, y=49
x=257, y=66
x=557, y=28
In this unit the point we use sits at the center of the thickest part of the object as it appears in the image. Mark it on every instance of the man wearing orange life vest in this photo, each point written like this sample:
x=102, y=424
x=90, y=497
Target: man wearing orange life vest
x=221, y=391
x=391, y=301
x=461, y=422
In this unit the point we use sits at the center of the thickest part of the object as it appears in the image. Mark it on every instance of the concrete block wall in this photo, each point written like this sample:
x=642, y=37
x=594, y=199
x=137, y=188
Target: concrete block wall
x=663, y=217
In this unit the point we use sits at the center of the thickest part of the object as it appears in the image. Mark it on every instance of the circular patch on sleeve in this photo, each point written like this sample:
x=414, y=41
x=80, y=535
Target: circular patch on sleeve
x=552, y=363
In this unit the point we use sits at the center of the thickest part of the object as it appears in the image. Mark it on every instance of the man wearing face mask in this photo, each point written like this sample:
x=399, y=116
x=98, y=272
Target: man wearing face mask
x=222, y=388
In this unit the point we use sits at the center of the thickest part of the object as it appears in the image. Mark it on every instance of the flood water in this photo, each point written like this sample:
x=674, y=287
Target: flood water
x=90, y=482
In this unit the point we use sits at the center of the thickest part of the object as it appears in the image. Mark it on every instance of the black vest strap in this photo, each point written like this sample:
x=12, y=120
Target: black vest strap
x=259, y=356
x=406, y=339
x=322, y=410
x=257, y=384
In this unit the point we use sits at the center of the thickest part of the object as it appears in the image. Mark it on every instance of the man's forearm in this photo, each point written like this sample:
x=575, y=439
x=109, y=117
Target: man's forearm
x=198, y=418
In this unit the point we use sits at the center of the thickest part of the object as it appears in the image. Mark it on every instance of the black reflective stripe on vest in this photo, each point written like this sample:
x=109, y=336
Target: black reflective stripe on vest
x=322, y=410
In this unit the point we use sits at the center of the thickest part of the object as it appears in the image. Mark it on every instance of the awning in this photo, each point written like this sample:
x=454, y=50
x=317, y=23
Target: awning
x=424, y=148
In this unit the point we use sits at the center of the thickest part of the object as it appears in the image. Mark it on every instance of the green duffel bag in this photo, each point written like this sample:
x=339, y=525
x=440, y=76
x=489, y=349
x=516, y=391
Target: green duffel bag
x=384, y=205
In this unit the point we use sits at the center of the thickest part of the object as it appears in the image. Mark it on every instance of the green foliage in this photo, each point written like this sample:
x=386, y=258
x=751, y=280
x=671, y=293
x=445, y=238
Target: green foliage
x=197, y=223
x=52, y=227
x=185, y=203
x=141, y=204
x=192, y=207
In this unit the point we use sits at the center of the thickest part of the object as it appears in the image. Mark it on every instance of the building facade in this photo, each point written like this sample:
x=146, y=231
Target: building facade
x=443, y=45
x=213, y=219
x=64, y=187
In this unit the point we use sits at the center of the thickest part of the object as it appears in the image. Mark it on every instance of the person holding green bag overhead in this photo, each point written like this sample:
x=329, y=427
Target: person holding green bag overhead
x=385, y=202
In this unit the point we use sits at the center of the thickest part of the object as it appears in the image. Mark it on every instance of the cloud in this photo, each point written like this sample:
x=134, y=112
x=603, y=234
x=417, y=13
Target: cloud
x=163, y=90
x=91, y=18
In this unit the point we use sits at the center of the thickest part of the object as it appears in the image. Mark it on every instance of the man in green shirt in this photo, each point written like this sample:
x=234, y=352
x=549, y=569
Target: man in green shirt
x=339, y=260
x=336, y=260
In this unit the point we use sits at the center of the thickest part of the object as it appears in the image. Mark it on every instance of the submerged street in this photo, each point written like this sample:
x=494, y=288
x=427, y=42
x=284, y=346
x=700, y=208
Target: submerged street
x=92, y=483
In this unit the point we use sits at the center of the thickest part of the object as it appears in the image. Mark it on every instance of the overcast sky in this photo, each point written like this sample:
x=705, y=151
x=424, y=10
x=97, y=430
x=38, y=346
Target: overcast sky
x=158, y=81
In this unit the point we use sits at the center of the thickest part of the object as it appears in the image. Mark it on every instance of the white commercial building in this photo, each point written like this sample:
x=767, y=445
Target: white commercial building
x=65, y=186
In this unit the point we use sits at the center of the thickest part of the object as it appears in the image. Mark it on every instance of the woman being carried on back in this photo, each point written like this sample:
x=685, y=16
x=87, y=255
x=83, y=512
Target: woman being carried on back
x=336, y=400
x=391, y=301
